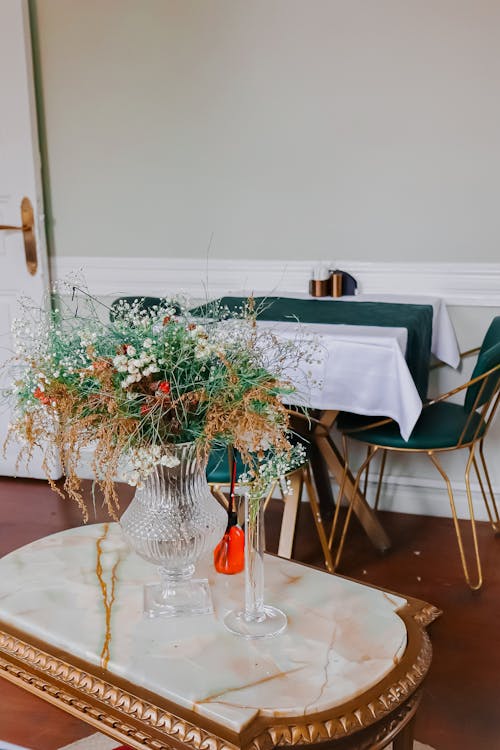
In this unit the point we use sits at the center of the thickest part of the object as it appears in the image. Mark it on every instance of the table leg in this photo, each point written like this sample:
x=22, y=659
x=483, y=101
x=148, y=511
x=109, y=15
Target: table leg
x=323, y=482
x=404, y=740
x=335, y=463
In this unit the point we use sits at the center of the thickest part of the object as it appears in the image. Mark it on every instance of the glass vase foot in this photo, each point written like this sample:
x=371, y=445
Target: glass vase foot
x=183, y=598
x=269, y=624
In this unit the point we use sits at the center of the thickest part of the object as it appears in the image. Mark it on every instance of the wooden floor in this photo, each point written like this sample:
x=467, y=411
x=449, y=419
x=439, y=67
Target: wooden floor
x=461, y=707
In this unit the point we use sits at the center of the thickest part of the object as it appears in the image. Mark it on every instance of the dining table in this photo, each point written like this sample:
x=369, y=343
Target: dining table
x=371, y=356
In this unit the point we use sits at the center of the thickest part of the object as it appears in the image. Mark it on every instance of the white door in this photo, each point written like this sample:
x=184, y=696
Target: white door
x=20, y=180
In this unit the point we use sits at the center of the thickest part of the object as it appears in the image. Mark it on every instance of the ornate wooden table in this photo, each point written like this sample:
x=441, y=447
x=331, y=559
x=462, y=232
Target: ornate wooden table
x=347, y=673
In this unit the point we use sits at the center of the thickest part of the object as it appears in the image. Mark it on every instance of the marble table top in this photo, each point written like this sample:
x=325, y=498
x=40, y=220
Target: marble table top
x=80, y=592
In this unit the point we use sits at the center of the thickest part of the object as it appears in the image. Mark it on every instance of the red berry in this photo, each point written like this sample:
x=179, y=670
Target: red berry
x=164, y=386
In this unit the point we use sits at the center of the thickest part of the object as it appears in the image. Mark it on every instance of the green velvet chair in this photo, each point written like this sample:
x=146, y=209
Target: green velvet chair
x=443, y=426
x=219, y=478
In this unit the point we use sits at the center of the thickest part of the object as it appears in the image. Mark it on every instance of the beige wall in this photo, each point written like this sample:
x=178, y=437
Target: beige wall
x=362, y=129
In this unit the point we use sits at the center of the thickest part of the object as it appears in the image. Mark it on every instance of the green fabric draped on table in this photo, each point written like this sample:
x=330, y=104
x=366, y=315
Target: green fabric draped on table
x=417, y=319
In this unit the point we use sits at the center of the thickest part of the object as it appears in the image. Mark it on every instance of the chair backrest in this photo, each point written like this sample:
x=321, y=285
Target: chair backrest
x=219, y=465
x=492, y=335
x=480, y=393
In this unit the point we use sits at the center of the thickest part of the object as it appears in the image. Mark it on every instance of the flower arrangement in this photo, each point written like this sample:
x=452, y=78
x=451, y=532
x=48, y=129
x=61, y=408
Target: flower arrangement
x=132, y=381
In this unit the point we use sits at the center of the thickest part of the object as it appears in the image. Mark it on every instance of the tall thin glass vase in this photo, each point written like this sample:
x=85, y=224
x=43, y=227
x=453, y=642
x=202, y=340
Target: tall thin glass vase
x=256, y=619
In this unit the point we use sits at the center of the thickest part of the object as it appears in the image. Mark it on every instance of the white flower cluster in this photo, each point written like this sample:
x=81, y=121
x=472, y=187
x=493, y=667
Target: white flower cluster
x=205, y=346
x=259, y=482
x=143, y=461
x=135, y=315
x=235, y=332
x=294, y=355
x=137, y=367
x=87, y=338
x=32, y=345
x=30, y=337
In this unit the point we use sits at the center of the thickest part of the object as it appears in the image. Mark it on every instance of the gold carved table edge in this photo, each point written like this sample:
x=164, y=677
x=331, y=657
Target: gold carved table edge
x=142, y=719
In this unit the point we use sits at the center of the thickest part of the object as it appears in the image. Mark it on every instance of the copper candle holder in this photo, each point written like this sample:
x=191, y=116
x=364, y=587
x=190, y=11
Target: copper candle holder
x=336, y=284
x=319, y=287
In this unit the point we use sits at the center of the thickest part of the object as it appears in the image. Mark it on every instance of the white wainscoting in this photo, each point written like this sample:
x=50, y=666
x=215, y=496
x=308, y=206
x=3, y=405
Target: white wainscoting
x=457, y=283
x=460, y=285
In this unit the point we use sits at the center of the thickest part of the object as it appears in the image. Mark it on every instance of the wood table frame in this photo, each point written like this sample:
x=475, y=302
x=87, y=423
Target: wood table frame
x=141, y=719
x=326, y=457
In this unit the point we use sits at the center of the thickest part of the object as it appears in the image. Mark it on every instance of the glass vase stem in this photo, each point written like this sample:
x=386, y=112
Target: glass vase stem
x=254, y=560
x=256, y=619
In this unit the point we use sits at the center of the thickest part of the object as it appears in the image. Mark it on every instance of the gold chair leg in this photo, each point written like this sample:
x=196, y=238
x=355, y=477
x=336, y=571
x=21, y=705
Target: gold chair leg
x=366, y=515
x=483, y=493
x=380, y=479
x=290, y=513
x=316, y=512
x=494, y=517
x=437, y=464
x=361, y=469
x=369, y=451
x=268, y=497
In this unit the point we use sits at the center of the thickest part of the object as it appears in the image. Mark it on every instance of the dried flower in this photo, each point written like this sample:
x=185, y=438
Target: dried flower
x=135, y=383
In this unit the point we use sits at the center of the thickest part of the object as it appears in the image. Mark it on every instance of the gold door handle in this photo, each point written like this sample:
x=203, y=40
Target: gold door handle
x=10, y=228
x=28, y=229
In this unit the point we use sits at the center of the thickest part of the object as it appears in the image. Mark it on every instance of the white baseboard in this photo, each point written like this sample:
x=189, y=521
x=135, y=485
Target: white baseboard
x=422, y=497
x=476, y=284
x=426, y=497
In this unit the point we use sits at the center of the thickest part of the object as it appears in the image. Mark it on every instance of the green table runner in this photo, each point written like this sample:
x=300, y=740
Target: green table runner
x=417, y=319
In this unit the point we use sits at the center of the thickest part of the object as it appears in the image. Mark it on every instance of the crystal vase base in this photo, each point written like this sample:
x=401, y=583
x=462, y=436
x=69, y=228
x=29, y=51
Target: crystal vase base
x=270, y=622
x=178, y=594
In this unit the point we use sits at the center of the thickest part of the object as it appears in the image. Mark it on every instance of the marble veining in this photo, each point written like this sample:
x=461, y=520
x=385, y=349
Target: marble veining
x=81, y=591
x=107, y=598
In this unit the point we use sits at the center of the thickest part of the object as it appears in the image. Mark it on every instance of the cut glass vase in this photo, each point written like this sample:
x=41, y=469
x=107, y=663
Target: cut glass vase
x=171, y=522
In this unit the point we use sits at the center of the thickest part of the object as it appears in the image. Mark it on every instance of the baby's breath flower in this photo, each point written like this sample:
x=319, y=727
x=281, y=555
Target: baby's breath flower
x=259, y=479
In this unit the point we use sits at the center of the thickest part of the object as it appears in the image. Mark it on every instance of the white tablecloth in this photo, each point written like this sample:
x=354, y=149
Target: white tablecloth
x=444, y=343
x=361, y=369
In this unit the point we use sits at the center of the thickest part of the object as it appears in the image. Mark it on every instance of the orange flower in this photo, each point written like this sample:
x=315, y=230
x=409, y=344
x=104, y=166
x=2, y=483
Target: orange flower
x=41, y=396
x=164, y=386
